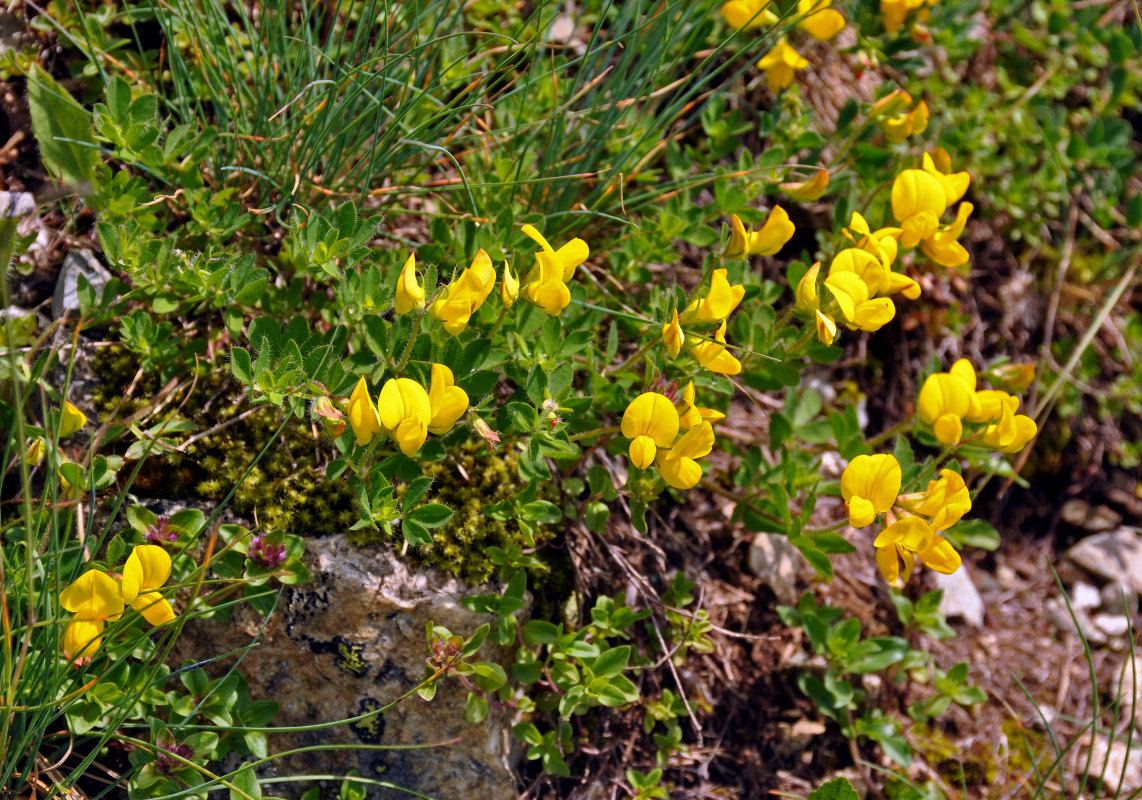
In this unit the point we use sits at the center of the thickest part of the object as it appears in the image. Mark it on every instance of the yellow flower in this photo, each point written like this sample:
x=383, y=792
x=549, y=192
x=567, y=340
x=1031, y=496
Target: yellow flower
x=363, y=417
x=945, y=501
x=690, y=414
x=650, y=422
x=678, y=466
x=745, y=14
x=719, y=302
x=332, y=418
x=461, y=298
x=672, y=336
x=918, y=200
x=410, y=294
x=36, y=452
x=71, y=419
x=894, y=12
x=94, y=598
x=405, y=411
x=809, y=300
x=714, y=356
x=808, y=190
x=869, y=486
x=147, y=569
x=859, y=309
x=943, y=247
x=938, y=164
x=780, y=63
x=1011, y=433
x=547, y=282
x=446, y=401
x=945, y=400
x=1013, y=377
x=896, y=120
x=773, y=235
x=818, y=20
x=509, y=287
x=863, y=264
x=908, y=539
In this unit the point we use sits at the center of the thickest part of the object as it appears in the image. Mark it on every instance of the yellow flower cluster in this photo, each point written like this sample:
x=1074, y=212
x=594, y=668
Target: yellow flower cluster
x=950, y=399
x=96, y=598
x=406, y=411
x=870, y=486
x=814, y=17
x=860, y=278
x=653, y=422
x=894, y=12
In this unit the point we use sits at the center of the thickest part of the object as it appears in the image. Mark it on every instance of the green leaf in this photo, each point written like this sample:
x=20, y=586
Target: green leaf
x=837, y=789
x=62, y=128
x=476, y=708
x=612, y=662
x=416, y=490
x=431, y=515
x=240, y=364
x=415, y=534
x=973, y=533
x=245, y=784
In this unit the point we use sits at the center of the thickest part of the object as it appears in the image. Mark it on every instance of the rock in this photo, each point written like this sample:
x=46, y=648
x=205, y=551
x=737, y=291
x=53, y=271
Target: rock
x=1115, y=557
x=1061, y=616
x=961, y=599
x=1081, y=514
x=353, y=640
x=1119, y=763
x=17, y=204
x=1085, y=596
x=780, y=566
x=1113, y=625
x=76, y=263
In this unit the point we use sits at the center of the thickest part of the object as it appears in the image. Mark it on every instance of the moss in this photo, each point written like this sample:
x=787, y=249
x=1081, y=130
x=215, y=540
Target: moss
x=954, y=763
x=286, y=489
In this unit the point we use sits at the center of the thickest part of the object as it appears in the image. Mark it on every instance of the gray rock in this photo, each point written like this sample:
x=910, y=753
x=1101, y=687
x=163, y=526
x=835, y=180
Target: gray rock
x=1113, y=625
x=76, y=263
x=353, y=640
x=780, y=566
x=961, y=598
x=1083, y=595
x=17, y=204
x=1116, y=557
x=1119, y=763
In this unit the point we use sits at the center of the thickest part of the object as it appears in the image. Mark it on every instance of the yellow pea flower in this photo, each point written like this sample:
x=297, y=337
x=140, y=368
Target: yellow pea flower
x=71, y=419
x=678, y=466
x=746, y=14
x=918, y=200
x=818, y=20
x=410, y=294
x=859, y=309
x=943, y=247
x=869, y=486
x=808, y=300
x=945, y=501
x=945, y=400
x=464, y=296
x=509, y=287
x=780, y=64
x=147, y=569
x=547, y=282
x=808, y=190
x=895, y=118
x=447, y=402
x=1011, y=434
x=672, y=336
x=894, y=12
x=405, y=410
x=714, y=356
x=650, y=422
x=332, y=418
x=36, y=452
x=718, y=303
x=773, y=235
x=94, y=598
x=363, y=417
x=908, y=539
x=938, y=164
x=864, y=264
x=691, y=414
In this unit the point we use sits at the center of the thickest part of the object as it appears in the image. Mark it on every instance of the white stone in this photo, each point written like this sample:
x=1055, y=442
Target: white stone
x=779, y=564
x=75, y=263
x=1115, y=556
x=961, y=598
x=1083, y=595
x=1111, y=624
